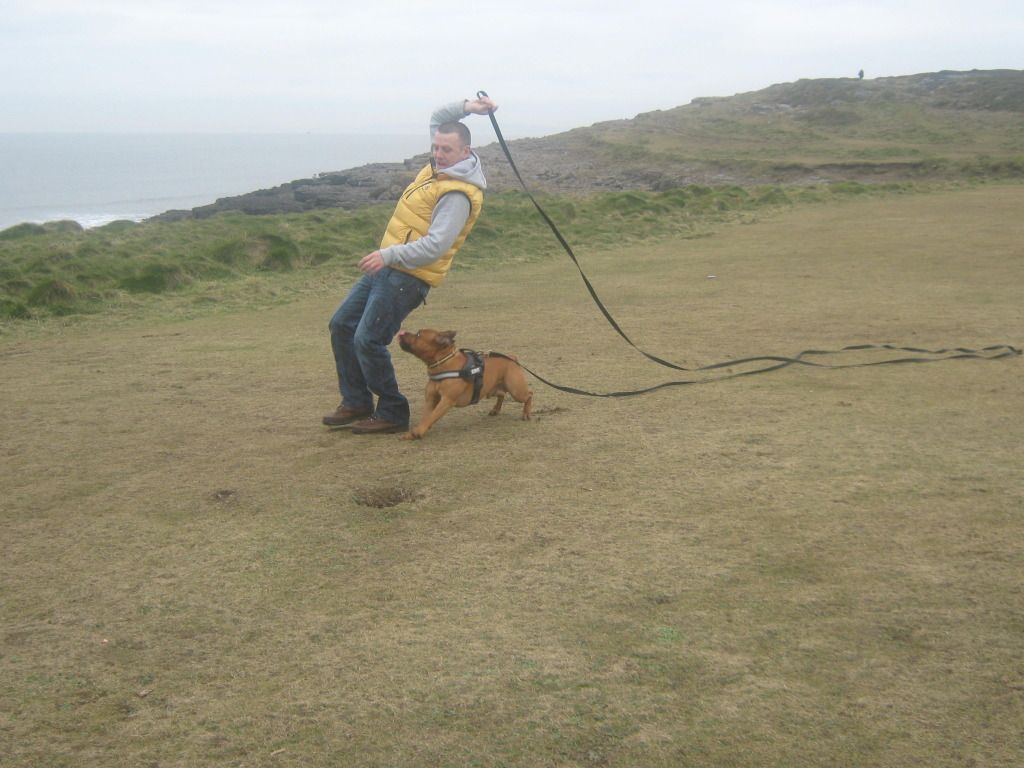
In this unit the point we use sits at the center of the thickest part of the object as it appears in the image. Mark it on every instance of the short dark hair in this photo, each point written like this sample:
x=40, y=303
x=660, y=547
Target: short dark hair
x=456, y=127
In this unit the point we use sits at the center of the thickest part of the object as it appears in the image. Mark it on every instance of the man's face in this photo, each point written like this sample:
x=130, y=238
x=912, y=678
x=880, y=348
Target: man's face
x=448, y=149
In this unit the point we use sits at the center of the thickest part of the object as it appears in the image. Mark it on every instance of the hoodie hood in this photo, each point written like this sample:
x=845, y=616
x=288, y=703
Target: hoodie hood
x=469, y=170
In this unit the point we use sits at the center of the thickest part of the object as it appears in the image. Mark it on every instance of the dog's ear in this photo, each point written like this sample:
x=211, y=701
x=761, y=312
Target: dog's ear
x=446, y=337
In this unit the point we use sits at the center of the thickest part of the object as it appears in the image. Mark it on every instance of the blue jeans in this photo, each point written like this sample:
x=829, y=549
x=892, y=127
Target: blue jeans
x=361, y=329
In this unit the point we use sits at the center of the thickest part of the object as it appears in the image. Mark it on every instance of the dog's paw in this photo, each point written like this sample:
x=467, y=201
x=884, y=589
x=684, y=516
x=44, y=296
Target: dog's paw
x=411, y=435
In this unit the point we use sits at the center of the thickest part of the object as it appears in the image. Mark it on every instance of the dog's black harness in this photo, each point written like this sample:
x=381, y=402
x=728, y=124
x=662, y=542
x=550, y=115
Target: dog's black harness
x=473, y=371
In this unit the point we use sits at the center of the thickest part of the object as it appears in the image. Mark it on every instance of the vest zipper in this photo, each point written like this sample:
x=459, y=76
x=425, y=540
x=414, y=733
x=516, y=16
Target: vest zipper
x=409, y=193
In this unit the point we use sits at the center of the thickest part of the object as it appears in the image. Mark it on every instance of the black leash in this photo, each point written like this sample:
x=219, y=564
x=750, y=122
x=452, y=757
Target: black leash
x=987, y=353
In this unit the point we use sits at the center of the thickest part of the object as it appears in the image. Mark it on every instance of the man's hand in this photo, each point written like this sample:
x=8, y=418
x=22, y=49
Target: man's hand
x=372, y=263
x=479, y=106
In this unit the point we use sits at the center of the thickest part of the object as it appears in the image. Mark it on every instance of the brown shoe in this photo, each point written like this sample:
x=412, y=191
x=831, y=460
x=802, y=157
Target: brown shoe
x=378, y=427
x=343, y=416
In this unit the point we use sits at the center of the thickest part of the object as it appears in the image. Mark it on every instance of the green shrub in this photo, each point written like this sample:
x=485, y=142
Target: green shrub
x=281, y=254
x=19, y=231
x=273, y=252
x=90, y=248
x=628, y=203
x=847, y=188
x=731, y=197
x=14, y=310
x=52, y=293
x=676, y=198
x=118, y=227
x=773, y=196
x=234, y=253
x=63, y=226
x=157, y=277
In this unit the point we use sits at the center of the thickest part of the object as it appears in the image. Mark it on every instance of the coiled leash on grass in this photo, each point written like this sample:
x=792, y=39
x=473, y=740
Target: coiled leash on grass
x=993, y=352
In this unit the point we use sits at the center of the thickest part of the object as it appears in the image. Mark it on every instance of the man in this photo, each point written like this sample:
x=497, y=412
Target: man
x=431, y=221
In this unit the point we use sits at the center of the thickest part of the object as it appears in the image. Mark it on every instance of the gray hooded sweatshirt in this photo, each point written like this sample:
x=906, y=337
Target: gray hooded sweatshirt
x=450, y=213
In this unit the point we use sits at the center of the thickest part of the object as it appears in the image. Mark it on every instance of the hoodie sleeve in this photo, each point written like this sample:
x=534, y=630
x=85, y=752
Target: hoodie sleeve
x=447, y=113
x=449, y=217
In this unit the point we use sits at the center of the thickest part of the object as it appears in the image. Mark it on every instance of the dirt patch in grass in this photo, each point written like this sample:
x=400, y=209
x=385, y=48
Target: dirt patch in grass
x=803, y=568
x=384, y=497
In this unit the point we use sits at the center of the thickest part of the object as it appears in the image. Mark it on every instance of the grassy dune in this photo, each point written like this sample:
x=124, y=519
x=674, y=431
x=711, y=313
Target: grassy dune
x=805, y=568
x=64, y=270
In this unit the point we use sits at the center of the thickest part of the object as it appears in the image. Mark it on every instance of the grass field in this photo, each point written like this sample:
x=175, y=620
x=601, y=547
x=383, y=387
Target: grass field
x=804, y=568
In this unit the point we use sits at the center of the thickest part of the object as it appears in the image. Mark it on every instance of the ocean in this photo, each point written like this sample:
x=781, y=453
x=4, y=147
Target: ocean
x=98, y=178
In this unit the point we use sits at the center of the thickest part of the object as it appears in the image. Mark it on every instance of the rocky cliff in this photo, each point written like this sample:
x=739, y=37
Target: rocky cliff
x=935, y=125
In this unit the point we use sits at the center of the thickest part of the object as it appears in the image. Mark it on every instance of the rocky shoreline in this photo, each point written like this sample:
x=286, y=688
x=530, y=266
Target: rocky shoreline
x=549, y=165
x=654, y=151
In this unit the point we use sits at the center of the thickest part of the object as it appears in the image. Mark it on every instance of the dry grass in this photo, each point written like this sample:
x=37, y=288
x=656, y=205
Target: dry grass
x=806, y=568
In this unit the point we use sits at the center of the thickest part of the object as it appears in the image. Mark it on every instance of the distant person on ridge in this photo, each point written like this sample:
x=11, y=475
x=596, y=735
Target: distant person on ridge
x=430, y=223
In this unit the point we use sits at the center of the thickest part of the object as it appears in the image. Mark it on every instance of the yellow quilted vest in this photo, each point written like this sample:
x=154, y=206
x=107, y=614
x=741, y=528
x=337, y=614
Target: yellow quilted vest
x=411, y=219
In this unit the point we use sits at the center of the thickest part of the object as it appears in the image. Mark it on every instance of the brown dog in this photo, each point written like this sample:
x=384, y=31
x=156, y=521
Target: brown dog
x=501, y=375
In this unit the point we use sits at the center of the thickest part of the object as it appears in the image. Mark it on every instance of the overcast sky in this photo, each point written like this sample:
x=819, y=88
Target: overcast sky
x=335, y=66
